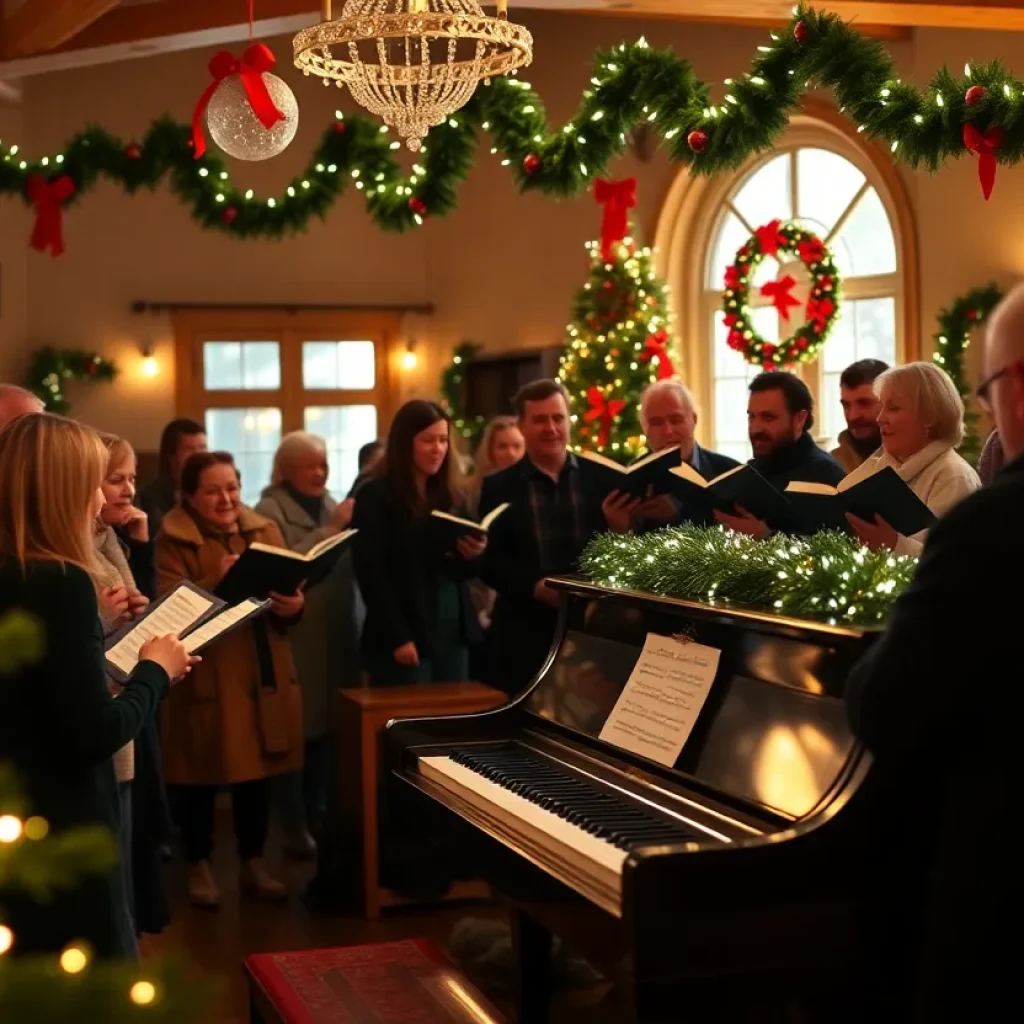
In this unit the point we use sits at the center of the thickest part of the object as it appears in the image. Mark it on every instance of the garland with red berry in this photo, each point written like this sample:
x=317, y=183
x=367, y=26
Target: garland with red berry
x=820, y=310
x=52, y=368
x=980, y=116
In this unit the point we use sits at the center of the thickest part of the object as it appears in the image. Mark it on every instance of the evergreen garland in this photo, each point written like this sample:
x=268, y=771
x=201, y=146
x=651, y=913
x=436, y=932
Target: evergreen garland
x=950, y=342
x=52, y=368
x=453, y=393
x=828, y=577
x=632, y=84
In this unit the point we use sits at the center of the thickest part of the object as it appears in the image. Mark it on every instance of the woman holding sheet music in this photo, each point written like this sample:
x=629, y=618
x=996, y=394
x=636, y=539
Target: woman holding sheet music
x=59, y=723
x=921, y=423
x=239, y=719
x=419, y=616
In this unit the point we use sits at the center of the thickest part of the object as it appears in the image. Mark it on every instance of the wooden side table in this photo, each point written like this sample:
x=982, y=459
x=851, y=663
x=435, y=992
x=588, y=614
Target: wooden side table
x=362, y=716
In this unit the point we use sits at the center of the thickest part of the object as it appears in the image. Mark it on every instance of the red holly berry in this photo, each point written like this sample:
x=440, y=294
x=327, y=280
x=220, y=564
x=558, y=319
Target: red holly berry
x=800, y=31
x=607, y=285
x=531, y=163
x=697, y=140
x=417, y=205
x=972, y=314
x=974, y=95
x=133, y=151
x=229, y=215
x=90, y=368
x=339, y=127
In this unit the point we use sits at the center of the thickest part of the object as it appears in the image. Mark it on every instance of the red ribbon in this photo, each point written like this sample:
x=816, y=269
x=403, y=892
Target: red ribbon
x=47, y=197
x=781, y=294
x=818, y=311
x=656, y=347
x=603, y=410
x=254, y=62
x=618, y=198
x=770, y=238
x=985, y=146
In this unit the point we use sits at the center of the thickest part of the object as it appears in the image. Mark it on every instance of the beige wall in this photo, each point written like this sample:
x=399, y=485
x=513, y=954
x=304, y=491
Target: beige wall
x=502, y=269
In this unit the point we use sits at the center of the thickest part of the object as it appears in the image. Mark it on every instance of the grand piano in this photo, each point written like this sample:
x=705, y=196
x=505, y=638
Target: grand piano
x=718, y=885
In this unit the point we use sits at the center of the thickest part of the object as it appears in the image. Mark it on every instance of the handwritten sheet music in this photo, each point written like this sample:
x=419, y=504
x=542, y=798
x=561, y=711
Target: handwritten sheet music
x=179, y=611
x=662, y=698
x=220, y=624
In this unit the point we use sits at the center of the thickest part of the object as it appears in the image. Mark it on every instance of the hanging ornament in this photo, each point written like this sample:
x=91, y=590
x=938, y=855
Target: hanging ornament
x=531, y=163
x=229, y=216
x=697, y=141
x=133, y=151
x=252, y=114
x=801, y=31
x=974, y=95
x=417, y=205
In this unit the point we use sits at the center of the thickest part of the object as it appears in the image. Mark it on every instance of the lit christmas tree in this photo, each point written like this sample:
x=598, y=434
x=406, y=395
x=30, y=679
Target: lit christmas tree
x=619, y=340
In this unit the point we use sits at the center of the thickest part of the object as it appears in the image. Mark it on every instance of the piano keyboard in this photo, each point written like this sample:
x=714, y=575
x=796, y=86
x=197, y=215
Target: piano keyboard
x=576, y=829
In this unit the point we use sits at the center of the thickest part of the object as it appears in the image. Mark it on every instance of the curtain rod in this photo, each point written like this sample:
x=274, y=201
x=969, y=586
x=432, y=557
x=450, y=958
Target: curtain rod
x=143, y=306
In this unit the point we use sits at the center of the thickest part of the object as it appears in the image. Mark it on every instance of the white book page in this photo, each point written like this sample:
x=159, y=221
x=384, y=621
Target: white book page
x=687, y=472
x=219, y=624
x=176, y=613
x=326, y=545
x=603, y=460
x=805, y=487
x=659, y=704
x=492, y=515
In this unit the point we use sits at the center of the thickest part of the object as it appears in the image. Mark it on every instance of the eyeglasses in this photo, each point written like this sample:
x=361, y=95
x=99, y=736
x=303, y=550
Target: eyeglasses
x=986, y=385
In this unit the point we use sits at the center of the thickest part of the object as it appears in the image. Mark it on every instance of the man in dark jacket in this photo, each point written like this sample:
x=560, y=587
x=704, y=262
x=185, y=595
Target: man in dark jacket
x=780, y=415
x=938, y=702
x=180, y=439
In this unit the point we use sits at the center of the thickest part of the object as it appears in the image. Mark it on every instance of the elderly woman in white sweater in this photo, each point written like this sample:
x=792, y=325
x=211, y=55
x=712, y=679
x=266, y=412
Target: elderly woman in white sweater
x=922, y=422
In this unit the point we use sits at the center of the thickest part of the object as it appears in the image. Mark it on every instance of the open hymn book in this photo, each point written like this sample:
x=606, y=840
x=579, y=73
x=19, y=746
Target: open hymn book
x=741, y=485
x=188, y=612
x=451, y=527
x=640, y=479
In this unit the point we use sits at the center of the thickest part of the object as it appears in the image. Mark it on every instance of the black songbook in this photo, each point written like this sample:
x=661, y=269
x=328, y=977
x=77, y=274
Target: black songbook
x=885, y=494
x=188, y=612
x=263, y=569
x=641, y=479
x=448, y=528
x=739, y=486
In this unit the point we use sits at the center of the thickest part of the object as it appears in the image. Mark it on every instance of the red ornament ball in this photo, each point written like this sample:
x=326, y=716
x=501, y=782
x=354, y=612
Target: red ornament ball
x=339, y=127
x=229, y=215
x=607, y=285
x=90, y=368
x=974, y=95
x=801, y=32
x=133, y=151
x=417, y=205
x=768, y=349
x=531, y=163
x=697, y=140
x=972, y=314
x=768, y=366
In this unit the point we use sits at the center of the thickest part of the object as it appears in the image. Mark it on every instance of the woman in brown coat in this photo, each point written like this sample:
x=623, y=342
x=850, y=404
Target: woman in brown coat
x=238, y=720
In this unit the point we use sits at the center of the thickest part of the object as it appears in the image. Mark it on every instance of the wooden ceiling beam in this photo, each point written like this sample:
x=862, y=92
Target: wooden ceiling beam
x=39, y=26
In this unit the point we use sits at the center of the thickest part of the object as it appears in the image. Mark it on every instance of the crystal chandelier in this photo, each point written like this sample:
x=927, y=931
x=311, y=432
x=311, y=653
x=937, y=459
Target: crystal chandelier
x=412, y=62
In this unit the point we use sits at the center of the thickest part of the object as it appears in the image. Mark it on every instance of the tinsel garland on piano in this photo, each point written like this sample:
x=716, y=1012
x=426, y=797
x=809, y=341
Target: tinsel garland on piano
x=828, y=577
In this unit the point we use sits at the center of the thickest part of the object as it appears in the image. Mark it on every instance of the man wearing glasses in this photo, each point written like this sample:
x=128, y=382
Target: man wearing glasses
x=938, y=701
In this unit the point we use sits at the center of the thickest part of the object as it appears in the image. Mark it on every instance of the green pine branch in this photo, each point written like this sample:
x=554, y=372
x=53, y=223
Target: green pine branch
x=52, y=368
x=632, y=84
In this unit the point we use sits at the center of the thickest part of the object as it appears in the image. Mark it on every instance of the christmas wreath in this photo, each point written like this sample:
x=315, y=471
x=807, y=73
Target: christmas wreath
x=820, y=310
x=453, y=398
x=52, y=368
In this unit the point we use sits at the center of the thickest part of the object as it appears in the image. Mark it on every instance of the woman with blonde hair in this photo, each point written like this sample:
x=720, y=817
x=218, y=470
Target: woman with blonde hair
x=59, y=724
x=921, y=423
x=501, y=446
x=324, y=642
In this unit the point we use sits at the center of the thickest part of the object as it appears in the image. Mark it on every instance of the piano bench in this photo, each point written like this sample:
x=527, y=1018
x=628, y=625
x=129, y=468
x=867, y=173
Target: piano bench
x=389, y=982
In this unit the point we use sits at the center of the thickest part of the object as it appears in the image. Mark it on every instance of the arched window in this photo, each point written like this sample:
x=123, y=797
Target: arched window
x=825, y=181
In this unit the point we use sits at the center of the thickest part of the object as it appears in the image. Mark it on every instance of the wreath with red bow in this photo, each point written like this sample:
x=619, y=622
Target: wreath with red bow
x=820, y=310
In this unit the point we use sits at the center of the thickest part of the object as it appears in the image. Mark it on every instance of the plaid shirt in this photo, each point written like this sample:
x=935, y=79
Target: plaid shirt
x=559, y=516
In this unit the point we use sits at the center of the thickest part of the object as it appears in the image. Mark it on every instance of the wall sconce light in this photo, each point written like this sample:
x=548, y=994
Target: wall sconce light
x=150, y=366
x=409, y=359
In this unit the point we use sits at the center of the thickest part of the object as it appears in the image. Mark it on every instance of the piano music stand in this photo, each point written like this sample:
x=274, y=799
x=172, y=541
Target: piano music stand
x=362, y=716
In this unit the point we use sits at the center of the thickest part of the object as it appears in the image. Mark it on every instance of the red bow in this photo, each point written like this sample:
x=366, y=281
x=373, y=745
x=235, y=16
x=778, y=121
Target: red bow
x=656, y=347
x=818, y=311
x=47, y=198
x=770, y=238
x=811, y=250
x=254, y=62
x=617, y=197
x=604, y=410
x=781, y=294
x=985, y=146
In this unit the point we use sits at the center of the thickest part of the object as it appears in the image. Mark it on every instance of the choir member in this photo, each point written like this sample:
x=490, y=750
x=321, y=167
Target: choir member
x=59, y=724
x=324, y=641
x=15, y=402
x=368, y=459
x=921, y=422
x=238, y=721
x=991, y=459
x=861, y=407
x=419, y=616
x=180, y=439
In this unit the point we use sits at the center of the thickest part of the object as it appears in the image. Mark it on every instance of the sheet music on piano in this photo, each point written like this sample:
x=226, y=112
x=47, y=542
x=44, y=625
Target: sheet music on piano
x=662, y=699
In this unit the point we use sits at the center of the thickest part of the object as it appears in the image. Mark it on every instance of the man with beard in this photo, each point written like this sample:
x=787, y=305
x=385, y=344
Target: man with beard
x=861, y=407
x=780, y=414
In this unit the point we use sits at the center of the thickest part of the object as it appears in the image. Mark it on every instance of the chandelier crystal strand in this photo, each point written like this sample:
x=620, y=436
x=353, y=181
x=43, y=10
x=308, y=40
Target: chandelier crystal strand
x=420, y=61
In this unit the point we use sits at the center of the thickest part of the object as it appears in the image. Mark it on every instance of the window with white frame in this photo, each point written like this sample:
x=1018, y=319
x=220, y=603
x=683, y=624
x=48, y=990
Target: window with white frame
x=830, y=194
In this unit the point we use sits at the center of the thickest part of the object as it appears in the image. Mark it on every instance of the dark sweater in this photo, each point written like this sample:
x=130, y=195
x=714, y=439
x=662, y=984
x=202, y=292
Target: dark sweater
x=60, y=726
x=802, y=460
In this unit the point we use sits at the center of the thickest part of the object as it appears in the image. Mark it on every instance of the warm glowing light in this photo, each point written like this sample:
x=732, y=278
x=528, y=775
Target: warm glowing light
x=36, y=828
x=73, y=960
x=10, y=828
x=142, y=993
x=6, y=939
x=409, y=360
x=150, y=367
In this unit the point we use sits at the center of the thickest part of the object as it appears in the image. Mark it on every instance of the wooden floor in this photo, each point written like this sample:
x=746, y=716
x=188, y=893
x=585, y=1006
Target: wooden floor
x=216, y=941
